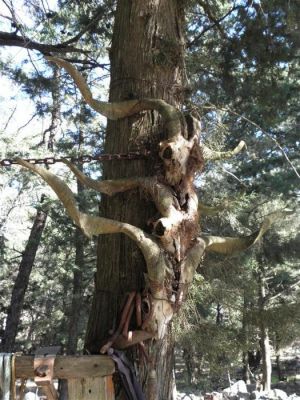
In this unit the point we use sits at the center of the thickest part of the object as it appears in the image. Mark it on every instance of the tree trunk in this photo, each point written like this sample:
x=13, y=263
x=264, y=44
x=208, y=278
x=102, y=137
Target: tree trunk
x=75, y=312
x=146, y=61
x=264, y=339
x=246, y=368
x=220, y=314
x=245, y=333
x=279, y=371
x=75, y=315
x=21, y=283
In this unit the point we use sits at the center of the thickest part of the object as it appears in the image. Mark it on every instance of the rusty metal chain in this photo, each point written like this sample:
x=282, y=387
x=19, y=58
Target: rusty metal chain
x=80, y=159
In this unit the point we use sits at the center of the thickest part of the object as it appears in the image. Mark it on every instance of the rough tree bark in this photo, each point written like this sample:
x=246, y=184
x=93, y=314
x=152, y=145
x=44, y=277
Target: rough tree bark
x=21, y=283
x=146, y=61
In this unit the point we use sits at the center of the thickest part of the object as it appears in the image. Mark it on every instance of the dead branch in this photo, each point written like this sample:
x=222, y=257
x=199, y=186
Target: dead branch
x=9, y=118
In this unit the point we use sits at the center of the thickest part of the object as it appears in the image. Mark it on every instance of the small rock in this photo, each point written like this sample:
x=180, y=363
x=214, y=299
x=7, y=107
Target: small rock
x=213, y=396
x=255, y=395
x=243, y=395
x=279, y=394
x=237, y=387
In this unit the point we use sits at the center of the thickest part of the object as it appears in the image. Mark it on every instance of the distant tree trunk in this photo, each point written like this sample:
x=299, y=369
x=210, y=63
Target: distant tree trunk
x=187, y=355
x=220, y=314
x=77, y=292
x=75, y=314
x=146, y=61
x=278, y=361
x=21, y=283
x=264, y=338
x=246, y=367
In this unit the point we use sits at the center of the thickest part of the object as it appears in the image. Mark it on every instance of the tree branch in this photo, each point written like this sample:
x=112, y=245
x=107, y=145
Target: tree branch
x=12, y=39
x=216, y=22
x=262, y=130
x=92, y=22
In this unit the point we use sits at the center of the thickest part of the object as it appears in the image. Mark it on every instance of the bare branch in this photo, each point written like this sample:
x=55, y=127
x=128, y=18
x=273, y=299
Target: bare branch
x=12, y=39
x=271, y=297
x=87, y=27
x=27, y=123
x=235, y=177
x=9, y=118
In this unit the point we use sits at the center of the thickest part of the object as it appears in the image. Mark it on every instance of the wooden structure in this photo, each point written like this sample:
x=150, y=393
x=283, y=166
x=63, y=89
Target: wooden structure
x=89, y=377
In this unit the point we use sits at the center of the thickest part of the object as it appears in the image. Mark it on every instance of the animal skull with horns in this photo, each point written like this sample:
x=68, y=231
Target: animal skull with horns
x=176, y=243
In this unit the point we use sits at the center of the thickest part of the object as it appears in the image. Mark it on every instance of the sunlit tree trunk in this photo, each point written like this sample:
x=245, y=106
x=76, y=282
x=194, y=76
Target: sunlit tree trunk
x=264, y=337
x=146, y=61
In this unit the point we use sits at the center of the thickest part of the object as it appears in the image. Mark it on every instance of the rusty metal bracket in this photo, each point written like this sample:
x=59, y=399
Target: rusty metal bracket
x=43, y=365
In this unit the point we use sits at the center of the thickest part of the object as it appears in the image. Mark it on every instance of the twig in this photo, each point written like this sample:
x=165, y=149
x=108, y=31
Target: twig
x=9, y=118
x=235, y=177
x=27, y=123
x=270, y=297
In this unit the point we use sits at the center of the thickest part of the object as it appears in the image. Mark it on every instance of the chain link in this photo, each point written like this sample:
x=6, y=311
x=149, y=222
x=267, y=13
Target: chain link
x=80, y=159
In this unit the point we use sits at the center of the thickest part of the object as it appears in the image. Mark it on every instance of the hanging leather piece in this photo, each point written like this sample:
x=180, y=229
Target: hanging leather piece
x=132, y=388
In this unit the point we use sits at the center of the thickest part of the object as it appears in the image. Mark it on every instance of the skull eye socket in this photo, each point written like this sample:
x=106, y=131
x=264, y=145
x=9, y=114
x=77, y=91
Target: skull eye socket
x=159, y=229
x=167, y=153
x=146, y=306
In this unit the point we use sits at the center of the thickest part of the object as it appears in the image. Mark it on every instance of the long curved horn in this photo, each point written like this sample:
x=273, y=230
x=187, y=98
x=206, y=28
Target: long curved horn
x=230, y=245
x=174, y=121
x=162, y=196
x=212, y=155
x=92, y=225
x=109, y=187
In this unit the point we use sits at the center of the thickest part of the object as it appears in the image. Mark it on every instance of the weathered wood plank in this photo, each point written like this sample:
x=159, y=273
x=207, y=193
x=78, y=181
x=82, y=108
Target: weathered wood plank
x=69, y=367
x=91, y=388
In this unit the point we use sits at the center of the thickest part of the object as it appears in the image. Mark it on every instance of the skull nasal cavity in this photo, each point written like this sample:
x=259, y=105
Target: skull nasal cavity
x=167, y=153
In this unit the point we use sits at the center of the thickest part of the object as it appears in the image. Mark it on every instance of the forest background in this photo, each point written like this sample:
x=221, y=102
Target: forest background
x=242, y=67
